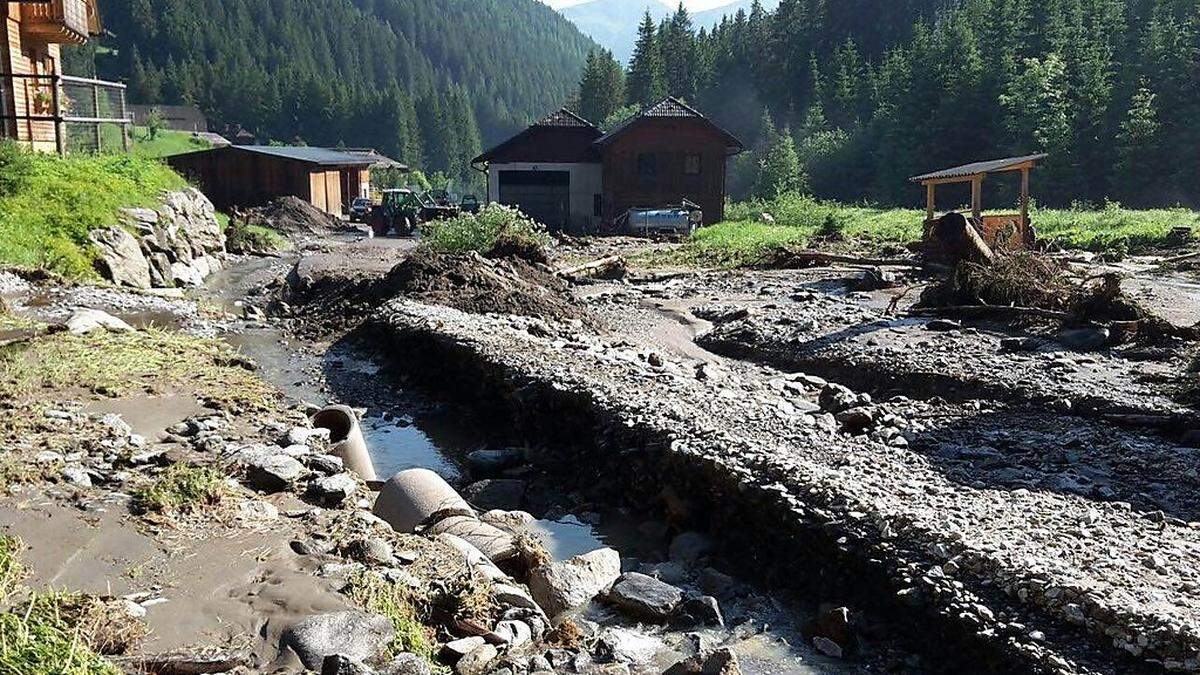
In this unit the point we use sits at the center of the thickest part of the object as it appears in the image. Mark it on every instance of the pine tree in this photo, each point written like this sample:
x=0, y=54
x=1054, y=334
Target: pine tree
x=602, y=87
x=678, y=45
x=646, y=82
x=1138, y=151
x=779, y=165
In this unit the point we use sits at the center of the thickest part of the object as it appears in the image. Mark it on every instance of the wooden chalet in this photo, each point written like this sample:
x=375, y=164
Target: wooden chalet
x=37, y=102
x=564, y=172
x=242, y=176
x=1009, y=228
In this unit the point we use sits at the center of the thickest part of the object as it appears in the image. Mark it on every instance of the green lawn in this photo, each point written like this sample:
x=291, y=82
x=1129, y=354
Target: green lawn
x=745, y=237
x=48, y=204
x=167, y=143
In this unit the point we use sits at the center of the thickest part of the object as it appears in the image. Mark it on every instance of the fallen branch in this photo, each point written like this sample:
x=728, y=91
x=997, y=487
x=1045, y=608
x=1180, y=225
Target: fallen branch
x=1179, y=258
x=975, y=311
x=596, y=268
x=813, y=258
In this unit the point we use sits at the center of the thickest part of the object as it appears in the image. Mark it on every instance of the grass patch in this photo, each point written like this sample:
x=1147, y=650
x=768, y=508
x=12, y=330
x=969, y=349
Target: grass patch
x=495, y=226
x=65, y=634
x=374, y=594
x=746, y=238
x=11, y=570
x=182, y=489
x=49, y=204
x=165, y=144
x=150, y=360
x=242, y=237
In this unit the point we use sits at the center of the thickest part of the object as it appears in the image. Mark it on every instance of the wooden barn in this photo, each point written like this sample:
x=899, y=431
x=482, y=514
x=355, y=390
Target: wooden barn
x=251, y=175
x=564, y=172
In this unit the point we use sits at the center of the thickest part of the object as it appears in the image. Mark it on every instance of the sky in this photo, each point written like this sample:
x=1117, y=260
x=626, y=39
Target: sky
x=693, y=5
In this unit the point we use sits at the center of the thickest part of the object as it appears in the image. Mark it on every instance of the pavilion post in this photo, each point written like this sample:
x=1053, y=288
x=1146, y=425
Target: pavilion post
x=977, y=197
x=930, y=189
x=1025, y=197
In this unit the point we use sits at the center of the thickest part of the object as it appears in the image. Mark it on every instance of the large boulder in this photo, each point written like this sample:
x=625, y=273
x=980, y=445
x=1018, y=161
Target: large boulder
x=644, y=597
x=357, y=635
x=119, y=258
x=88, y=320
x=572, y=583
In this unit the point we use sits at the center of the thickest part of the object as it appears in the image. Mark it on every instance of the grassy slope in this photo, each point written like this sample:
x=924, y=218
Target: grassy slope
x=167, y=143
x=48, y=204
x=743, y=238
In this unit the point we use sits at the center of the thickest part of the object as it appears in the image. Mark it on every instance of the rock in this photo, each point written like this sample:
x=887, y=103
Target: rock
x=943, y=325
x=337, y=664
x=374, y=551
x=88, y=320
x=1084, y=339
x=274, y=473
x=405, y=664
x=688, y=548
x=258, y=511
x=333, y=490
x=644, y=597
x=696, y=611
x=324, y=464
x=835, y=398
x=477, y=661
x=76, y=476
x=186, y=275
x=834, y=626
x=1018, y=344
x=720, y=584
x=417, y=497
x=827, y=647
x=119, y=258
x=856, y=421
x=717, y=662
x=475, y=559
x=357, y=635
x=670, y=572
x=456, y=649
x=514, y=633
x=508, y=596
x=561, y=586
x=626, y=645
x=492, y=462
x=494, y=493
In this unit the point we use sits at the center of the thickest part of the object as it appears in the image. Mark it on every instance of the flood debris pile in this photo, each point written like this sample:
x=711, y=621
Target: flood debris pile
x=291, y=216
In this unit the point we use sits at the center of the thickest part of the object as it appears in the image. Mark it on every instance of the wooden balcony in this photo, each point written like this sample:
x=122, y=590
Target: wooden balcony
x=58, y=21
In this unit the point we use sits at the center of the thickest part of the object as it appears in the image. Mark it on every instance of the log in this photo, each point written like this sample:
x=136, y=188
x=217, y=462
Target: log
x=975, y=311
x=611, y=265
x=810, y=258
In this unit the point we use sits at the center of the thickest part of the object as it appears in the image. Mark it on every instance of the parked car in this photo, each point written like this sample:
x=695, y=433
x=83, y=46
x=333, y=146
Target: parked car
x=360, y=210
x=469, y=204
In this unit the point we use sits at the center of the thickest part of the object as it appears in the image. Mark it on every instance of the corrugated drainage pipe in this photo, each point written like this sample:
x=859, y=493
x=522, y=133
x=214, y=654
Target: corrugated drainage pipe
x=345, y=436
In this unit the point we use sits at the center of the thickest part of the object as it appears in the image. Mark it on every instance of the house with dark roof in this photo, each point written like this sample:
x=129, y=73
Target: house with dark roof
x=567, y=174
x=241, y=176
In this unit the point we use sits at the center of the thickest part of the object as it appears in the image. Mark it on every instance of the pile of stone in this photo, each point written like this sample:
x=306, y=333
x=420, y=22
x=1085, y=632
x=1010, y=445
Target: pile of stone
x=178, y=244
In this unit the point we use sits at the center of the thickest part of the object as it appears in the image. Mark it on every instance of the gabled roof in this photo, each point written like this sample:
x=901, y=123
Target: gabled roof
x=380, y=161
x=670, y=107
x=976, y=168
x=560, y=119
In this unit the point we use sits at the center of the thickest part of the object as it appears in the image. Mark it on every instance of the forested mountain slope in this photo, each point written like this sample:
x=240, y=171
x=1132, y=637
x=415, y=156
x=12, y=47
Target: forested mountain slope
x=874, y=91
x=421, y=79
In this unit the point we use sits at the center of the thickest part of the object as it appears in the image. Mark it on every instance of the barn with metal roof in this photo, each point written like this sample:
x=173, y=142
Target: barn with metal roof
x=564, y=172
x=241, y=176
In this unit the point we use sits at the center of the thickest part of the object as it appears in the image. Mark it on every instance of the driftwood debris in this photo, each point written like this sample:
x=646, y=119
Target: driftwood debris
x=978, y=311
x=610, y=267
x=809, y=258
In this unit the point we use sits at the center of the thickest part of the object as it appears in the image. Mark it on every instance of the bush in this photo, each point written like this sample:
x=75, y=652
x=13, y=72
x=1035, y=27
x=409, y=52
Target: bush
x=49, y=204
x=242, y=237
x=482, y=232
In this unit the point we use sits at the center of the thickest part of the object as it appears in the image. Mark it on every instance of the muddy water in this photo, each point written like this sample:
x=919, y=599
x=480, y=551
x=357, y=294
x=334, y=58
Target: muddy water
x=405, y=431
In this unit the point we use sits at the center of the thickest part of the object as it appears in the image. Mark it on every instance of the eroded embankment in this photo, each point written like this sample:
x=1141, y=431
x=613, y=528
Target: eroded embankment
x=985, y=578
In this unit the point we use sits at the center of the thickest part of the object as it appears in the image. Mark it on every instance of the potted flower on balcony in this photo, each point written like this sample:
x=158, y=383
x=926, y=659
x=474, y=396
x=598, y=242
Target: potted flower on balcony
x=43, y=102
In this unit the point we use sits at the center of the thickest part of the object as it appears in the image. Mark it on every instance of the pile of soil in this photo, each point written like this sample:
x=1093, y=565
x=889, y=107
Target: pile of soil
x=473, y=283
x=291, y=215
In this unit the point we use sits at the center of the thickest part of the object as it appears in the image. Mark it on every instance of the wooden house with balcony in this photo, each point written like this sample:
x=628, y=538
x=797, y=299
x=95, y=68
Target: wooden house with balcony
x=35, y=105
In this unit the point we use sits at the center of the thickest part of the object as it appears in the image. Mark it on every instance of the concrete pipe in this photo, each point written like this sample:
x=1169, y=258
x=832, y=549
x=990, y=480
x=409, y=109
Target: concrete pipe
x=475, y=559
x=416, y=497
x=495, y=543
x=346, y=439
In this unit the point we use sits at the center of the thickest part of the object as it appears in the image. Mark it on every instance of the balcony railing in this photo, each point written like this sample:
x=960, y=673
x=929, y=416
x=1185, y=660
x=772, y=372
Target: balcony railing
x=76, y=114
x=58, y=21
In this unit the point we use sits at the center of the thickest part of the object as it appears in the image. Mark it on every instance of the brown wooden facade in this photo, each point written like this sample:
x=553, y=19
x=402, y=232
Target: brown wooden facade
x=247, y=176
x=31, y=63
x=663, y=161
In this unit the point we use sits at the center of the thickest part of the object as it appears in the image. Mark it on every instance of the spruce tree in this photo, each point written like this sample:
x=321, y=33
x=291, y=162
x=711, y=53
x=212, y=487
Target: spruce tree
x=646, y=82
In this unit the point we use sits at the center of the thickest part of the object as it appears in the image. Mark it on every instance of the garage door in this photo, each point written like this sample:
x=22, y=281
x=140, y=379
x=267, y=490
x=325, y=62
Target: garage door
x=544, y=196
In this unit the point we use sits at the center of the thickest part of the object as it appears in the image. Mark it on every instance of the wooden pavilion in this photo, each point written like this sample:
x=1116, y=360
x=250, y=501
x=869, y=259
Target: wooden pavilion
x=1002, y=229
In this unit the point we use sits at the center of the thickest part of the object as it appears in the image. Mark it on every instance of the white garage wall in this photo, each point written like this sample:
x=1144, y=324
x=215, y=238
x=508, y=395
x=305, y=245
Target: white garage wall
x=586, y=182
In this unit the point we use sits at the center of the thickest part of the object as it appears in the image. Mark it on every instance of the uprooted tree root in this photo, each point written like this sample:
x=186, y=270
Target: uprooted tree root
x=1034, y=286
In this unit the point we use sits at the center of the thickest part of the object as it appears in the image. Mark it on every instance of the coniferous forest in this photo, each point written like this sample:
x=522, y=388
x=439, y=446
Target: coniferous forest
x=428, y=82
x=870, y=92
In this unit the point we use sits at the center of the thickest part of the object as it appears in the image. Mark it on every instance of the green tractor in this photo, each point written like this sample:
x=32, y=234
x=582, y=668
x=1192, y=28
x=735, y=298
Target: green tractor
x=402, y=211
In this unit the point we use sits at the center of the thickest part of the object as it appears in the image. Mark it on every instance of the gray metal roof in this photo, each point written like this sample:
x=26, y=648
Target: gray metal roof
x=308, y=155
x=979, y=167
